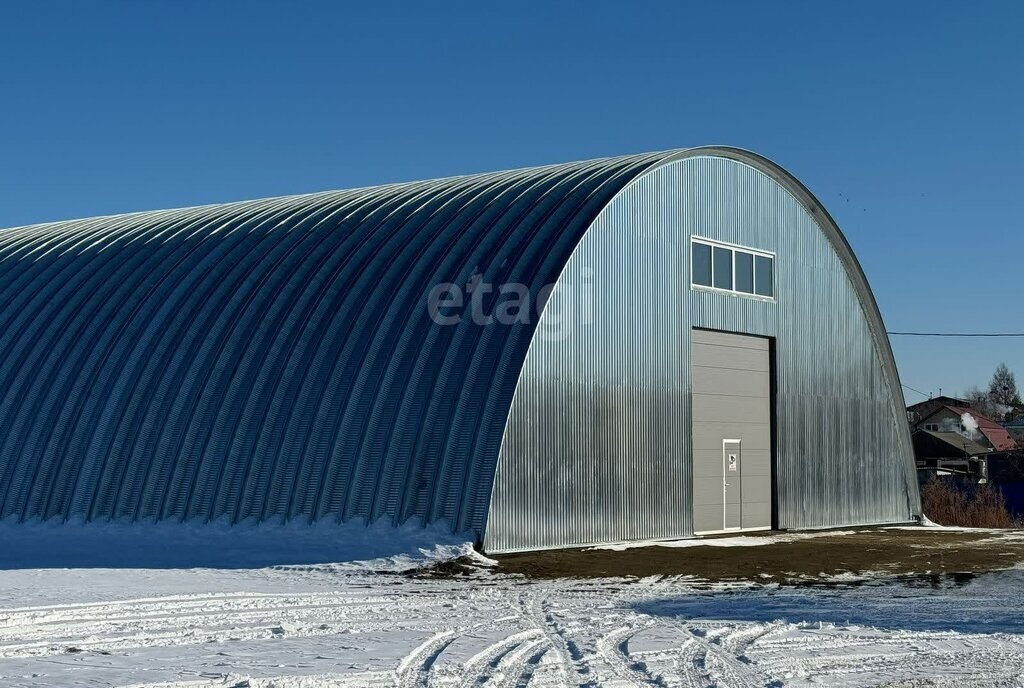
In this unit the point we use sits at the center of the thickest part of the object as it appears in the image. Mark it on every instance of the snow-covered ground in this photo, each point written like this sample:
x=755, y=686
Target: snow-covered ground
x=366, y=624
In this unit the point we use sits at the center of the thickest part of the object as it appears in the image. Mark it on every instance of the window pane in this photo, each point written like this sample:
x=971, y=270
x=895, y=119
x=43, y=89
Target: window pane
x=765, y=276
x=744, y=272
x=701, y=264
x=723, y=268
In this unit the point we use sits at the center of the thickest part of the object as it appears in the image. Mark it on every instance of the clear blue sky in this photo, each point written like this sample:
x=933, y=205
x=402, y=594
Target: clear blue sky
x=906, y=119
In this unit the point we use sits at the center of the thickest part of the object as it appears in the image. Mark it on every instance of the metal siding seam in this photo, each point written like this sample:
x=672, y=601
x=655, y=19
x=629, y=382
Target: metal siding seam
x=400, y=239
x=398, y=412
x=219, y=286
x=376, y=387
x=344, y=315
x=257, y=494
x=458, y=260
x=500, y=357
x=238, y=318
x=246, y=396
x=55, y=351
x=379, y=423
x=436, y=502
x=248, y=340
x=116, y=406
x=475, y=399
x=28, y=293
x=114, y=338
x=458, y=370
x=254, y=469
x=146, y=358
x=325, y=315
x=307, y=388
x=159, y=378
x=310, y=318
x=345, y=400
x=207, y=291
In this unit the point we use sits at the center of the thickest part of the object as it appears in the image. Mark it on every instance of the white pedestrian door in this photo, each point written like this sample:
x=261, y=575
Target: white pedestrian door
x=732, y=485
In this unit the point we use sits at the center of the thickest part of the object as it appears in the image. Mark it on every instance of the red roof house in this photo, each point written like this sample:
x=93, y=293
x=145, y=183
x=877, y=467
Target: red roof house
x=948, y=418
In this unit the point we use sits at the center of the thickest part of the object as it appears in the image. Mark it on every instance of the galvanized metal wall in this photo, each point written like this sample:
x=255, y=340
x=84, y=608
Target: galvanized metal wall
x=597, y=445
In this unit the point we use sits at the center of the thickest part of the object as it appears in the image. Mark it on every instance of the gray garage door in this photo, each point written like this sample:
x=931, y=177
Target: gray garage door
x=731, y=432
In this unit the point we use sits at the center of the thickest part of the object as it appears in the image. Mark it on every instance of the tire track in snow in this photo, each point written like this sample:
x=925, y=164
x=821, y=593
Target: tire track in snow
x=570, y=659
x=21, y=627
x=532, y=664
x=613, y=649
x=739, y=640
x=156, y=608
x=516, y=667
x=539, y=634
x=853, y=656
x=713, y=661
x=176, y=638
x=215, y=629
x=366, y=680
x=484, y=663
x=180, y=601
x=176, y=621
x=414, y=669
x=690, y=663
x=303, y=614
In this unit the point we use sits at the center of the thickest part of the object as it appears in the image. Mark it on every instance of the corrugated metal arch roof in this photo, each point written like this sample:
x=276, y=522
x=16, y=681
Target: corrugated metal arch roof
x=274, y=359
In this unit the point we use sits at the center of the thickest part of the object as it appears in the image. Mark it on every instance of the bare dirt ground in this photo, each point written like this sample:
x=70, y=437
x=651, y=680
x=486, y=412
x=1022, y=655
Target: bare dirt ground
x=790, y=558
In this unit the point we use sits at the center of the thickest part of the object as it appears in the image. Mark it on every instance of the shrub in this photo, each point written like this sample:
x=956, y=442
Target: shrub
x=957, y=503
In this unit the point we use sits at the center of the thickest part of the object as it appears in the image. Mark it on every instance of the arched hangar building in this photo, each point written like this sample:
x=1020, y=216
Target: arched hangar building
x=642, y=347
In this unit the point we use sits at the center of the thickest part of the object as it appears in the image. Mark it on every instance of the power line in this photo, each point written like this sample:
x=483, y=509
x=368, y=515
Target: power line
x=956, y=334
x=918, y=391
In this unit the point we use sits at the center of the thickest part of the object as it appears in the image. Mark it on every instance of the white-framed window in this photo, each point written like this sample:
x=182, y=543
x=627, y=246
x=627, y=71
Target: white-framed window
x=719, y=266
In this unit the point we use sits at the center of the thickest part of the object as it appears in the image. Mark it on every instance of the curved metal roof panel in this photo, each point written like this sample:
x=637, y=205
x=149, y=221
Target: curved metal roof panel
x=275, y=359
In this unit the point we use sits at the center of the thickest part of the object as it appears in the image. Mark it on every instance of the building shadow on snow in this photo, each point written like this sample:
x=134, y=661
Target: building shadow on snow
x=989, y=603
x=211, y=545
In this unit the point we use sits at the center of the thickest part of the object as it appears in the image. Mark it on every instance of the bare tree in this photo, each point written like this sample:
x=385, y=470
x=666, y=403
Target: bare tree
x=1002, y=391
x=980, y=401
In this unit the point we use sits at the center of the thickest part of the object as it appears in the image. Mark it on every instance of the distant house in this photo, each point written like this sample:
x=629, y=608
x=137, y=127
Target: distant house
x=945, y=453
x=918, y=412
x=929, y=444
x=949, y=438
x=955, y=441
x=965, y=421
